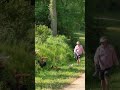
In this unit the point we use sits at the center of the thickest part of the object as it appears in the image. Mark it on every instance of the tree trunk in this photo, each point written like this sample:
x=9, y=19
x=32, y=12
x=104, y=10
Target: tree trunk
x=53, y=16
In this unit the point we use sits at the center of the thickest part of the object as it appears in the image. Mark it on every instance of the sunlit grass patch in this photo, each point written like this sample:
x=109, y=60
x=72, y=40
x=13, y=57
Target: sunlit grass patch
x=54, y=80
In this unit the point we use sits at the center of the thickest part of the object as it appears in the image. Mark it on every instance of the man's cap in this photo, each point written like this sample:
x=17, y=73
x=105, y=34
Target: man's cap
x=103, y=39
x=77, y=42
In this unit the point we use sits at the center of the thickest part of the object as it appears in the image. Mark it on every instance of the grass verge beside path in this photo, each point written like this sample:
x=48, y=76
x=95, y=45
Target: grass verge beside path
x=57, y=79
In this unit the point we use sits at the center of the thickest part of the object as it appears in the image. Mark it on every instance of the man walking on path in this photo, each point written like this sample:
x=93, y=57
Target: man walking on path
x=78, y=51
x=105, y=57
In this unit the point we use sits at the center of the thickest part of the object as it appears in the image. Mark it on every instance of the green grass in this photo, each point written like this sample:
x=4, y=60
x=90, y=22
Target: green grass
x=114, y=81
x=54, y=80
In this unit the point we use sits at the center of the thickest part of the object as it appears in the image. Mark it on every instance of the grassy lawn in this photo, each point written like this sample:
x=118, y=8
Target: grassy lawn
x=57, y=79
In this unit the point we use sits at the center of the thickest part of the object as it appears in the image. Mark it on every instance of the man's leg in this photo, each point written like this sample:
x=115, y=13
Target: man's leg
x=102, y=77
x=78, y=61
x=107, y=78
x=105, y=83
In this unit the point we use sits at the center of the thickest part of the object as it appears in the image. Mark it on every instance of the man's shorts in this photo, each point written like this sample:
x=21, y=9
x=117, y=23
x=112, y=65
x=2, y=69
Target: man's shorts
x=76, y=56
x=105, y=73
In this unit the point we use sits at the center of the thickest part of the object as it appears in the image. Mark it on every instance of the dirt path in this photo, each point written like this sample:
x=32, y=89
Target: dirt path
x=78, y=84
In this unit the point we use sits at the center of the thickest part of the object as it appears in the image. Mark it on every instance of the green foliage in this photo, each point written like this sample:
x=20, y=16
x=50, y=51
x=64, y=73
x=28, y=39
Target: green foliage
x=42, y=12
x=70, y=16
x=17, y=22
x=55, y=48
x=67, y=10
x=41, y=33
x=20, y=61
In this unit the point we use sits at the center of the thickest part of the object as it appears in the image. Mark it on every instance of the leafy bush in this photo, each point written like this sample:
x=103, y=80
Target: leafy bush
x=41, y=33
x=56, y=49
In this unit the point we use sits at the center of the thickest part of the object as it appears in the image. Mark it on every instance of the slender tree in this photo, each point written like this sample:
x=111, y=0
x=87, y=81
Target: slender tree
x=53, y=16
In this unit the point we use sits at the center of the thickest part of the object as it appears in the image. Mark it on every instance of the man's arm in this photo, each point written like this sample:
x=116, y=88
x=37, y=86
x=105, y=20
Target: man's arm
x=83, y=51
x=115, y=58
x=75, y=49
x=96, y=57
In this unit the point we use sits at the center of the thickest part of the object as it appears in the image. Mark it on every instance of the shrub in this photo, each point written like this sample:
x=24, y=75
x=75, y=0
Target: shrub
x=41, y=33
x=56, y=49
